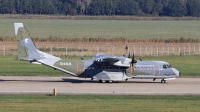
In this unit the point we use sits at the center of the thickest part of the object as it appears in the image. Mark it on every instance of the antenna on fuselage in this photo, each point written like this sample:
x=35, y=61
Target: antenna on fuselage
x=126, y=48
x=127, y=53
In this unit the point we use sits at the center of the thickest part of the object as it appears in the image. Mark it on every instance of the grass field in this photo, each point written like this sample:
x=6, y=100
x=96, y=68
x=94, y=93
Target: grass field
x=187, y=65
x=103, y=28
x=11, y=67
x=99, y=103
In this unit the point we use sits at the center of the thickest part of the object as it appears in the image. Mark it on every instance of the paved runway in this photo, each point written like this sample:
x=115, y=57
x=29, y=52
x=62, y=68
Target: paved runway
x=74, y=85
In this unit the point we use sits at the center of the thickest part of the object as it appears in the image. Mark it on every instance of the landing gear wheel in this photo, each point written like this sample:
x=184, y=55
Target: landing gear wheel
x=109, y=81
x=102, y=81
x=163, y=81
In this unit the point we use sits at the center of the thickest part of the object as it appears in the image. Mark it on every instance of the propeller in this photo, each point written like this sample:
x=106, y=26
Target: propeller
x=133, y=60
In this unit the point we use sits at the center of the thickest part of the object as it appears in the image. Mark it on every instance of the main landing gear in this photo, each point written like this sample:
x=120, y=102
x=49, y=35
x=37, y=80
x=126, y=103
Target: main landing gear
x=103, y=81
x=163, y=81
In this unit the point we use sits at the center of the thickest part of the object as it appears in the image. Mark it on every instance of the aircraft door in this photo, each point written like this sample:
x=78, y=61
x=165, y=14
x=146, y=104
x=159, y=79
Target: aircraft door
x=156, y=71
x=80, y=67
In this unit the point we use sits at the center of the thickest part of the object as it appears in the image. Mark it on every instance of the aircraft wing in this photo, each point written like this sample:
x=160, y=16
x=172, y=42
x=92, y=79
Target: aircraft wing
x=105, y=58
x=113, y=60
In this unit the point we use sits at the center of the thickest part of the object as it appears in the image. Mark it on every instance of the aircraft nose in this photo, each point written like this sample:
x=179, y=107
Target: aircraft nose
x=177, y=73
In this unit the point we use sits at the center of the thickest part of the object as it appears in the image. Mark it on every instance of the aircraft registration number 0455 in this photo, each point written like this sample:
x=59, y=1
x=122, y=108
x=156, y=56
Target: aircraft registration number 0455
x=65, y=63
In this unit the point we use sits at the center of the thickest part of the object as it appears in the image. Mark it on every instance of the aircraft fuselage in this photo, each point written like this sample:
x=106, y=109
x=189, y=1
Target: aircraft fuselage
x=107, y=72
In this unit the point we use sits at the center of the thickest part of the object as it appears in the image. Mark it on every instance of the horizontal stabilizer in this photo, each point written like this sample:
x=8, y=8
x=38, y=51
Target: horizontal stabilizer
x=37, y=63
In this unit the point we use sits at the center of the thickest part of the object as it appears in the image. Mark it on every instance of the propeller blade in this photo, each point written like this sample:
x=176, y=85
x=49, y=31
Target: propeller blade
x=133, y=57
x=133, y=60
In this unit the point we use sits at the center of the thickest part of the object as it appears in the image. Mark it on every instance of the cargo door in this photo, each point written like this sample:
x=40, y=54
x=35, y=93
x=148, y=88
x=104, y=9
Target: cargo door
x=80, y=67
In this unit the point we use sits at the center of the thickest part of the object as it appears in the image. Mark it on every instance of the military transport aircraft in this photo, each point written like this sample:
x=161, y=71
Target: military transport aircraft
x=102, y=67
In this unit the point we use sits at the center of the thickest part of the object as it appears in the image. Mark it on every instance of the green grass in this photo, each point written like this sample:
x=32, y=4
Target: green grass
x=187, y=65
x=99, y=103
x=103, y=28
x=11, y=67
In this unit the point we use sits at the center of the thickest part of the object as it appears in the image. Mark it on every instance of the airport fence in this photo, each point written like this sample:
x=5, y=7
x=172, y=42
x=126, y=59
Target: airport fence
x=91, y=50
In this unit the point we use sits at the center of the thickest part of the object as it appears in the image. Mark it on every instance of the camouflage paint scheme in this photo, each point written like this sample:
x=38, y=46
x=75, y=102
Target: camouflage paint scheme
x=102, y=67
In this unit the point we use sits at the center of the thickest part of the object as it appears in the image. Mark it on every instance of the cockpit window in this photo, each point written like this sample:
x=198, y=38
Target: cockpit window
x=170, y=66
x=167, y=66
x=164, y=66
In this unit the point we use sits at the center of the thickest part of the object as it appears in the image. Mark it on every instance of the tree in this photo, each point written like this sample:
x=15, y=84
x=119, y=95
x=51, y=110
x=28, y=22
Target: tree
x=129, y=7
x=95, y=7
x=158, y=8
x=4, y=6
x=147, y=6
x=176, y=9
x=24, y=4
x=193, y=7
x=65, y=8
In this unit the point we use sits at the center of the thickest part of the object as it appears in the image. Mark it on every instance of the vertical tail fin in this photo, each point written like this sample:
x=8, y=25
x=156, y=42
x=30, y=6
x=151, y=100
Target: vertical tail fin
x=25, y=45
x=26, y=48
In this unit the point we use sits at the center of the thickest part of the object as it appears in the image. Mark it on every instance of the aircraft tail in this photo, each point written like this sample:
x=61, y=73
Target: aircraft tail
x=26, y=48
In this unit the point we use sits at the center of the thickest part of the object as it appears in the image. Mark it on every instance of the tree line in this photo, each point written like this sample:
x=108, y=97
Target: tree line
x=174, y=8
